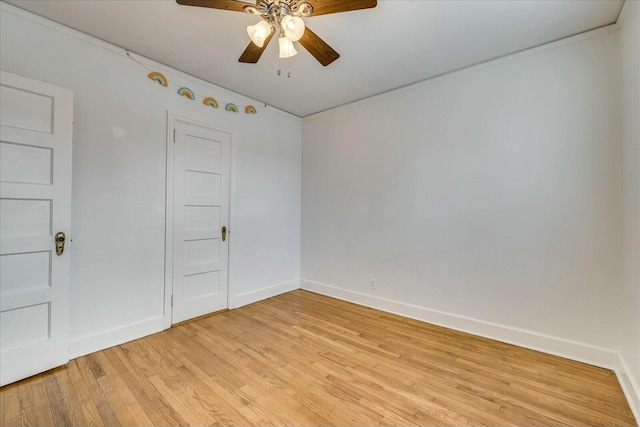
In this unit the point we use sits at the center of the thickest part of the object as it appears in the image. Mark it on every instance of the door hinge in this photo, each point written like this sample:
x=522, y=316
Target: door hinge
x=171, y=300
x=174, y=135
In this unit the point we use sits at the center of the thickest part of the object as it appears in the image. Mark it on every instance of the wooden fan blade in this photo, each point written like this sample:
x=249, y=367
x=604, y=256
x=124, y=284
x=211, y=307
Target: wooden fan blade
x=318, y=48
x=232, y=5
x=252, y=53
x=324, y=7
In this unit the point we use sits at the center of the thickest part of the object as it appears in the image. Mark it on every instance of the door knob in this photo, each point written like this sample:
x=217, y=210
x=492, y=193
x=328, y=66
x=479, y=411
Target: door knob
x=224, y=233
x=60, y=243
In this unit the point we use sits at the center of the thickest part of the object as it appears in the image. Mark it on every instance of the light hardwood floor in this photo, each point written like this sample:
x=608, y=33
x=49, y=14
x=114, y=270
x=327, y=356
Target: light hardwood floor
x=304, y=359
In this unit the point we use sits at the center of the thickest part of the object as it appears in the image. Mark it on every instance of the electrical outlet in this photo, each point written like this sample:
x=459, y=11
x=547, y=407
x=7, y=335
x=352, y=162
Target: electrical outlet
x=372, y=284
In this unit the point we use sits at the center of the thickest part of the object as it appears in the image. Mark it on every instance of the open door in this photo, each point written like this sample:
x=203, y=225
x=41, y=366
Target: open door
x=36, y=122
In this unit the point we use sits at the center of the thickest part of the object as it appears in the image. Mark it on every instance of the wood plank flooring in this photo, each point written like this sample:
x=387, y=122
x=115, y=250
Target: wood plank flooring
x=307, y=360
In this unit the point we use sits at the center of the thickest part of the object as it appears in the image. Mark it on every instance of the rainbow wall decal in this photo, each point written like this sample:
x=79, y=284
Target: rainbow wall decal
x=250, y=109
x=231, y=107
x=210, y=102
x=185, y=91
x=159, y=77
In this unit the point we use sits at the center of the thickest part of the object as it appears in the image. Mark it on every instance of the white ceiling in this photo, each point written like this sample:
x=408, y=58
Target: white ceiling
x=395, y=44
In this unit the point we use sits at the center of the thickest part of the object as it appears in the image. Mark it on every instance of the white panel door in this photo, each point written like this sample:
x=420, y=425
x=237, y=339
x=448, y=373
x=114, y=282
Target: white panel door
x=201, y=216
x=36, y=122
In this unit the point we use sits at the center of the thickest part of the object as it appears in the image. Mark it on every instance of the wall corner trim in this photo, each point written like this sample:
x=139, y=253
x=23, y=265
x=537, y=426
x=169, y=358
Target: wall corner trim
x=574, y=350
x=112, y=337
x=247, y=298
x=630, y=388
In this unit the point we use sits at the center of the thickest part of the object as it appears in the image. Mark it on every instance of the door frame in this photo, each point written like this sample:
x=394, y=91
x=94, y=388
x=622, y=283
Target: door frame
x=172, y=119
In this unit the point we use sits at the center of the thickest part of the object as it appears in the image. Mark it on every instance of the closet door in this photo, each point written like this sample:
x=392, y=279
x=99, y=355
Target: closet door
x=201, y=216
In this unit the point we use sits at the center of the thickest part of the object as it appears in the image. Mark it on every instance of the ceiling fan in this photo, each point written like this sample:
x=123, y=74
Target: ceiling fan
x=285, y=17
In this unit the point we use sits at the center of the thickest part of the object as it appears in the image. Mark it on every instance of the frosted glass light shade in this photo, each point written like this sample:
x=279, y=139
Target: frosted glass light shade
x=258, y=33
x=286, y=48
x=293, y=27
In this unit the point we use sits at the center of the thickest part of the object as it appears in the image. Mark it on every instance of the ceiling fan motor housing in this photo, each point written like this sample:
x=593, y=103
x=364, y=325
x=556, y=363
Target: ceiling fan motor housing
x=277, y=9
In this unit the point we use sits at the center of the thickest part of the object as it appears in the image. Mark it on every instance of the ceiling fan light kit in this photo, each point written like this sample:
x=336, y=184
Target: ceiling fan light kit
x=258, y=33
x=285, y=17
x=281, y=16
x=293, y=27
x=286, y=48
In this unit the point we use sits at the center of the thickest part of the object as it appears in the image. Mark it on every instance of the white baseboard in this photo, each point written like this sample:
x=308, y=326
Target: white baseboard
x=582, y=352
x=90, y=344
x=630, y=387
x=264, y=293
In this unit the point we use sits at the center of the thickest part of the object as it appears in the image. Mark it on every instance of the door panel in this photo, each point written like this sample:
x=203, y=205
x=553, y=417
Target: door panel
x=25, y=164
x=35, y=204
x=24, y=109
x=201, y=208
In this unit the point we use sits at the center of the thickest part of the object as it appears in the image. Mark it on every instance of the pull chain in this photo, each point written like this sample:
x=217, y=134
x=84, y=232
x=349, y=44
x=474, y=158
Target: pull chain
x=288, y=67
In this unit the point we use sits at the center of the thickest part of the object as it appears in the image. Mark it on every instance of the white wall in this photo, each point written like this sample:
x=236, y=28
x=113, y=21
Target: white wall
x=119, y=155
x=630, y=313
x=488, y=200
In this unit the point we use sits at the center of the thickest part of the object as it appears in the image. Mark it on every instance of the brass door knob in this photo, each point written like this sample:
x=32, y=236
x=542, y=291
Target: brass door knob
x=224, y=233
x=60, y=238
